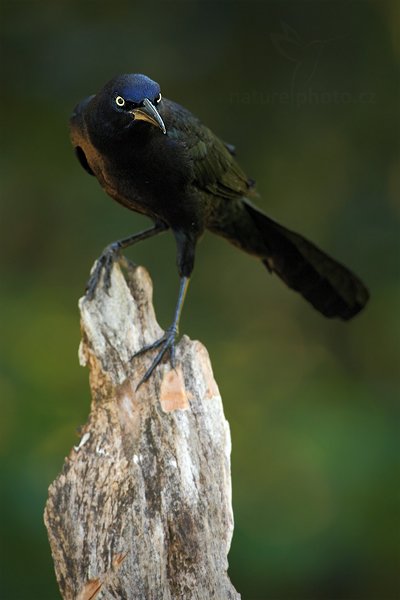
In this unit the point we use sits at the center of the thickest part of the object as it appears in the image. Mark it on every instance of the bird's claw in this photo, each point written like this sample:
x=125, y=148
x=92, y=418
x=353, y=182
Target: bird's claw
x=104, y=263
x=167, y=342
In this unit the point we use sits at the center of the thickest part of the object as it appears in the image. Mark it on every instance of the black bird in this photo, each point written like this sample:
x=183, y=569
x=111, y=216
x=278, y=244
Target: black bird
x=156, y=158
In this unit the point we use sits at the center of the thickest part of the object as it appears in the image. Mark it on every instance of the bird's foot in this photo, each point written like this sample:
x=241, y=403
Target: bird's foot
x=104, y=263
x=167, y=342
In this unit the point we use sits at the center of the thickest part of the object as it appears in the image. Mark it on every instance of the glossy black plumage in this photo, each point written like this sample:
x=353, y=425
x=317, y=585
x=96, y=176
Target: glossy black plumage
x=154, y=157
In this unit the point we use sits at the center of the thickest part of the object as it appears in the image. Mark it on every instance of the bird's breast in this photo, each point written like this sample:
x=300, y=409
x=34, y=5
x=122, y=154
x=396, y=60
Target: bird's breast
x=152, y=178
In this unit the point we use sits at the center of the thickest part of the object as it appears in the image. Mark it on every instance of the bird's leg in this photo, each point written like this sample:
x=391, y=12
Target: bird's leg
x=167, y=341
x=110, y=254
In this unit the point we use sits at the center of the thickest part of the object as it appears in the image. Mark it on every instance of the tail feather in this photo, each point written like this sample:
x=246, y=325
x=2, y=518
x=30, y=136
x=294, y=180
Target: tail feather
x=329, y=286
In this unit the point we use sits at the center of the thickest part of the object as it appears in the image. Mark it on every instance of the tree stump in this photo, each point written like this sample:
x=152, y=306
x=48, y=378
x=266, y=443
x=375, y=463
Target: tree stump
x=142, y=507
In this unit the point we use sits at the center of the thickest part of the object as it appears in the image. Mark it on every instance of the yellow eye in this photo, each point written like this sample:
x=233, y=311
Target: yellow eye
x=120, y=101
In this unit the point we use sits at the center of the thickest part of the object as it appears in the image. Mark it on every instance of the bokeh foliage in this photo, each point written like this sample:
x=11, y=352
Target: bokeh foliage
x=309, y=94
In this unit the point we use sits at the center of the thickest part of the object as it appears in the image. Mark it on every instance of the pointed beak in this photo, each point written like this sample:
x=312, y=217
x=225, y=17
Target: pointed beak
x=148, y=112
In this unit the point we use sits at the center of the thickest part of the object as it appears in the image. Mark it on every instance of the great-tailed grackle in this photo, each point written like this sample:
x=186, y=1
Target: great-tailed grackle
x=156, y=158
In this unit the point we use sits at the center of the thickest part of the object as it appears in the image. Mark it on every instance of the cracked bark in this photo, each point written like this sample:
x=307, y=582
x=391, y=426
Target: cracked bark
x=142, y=507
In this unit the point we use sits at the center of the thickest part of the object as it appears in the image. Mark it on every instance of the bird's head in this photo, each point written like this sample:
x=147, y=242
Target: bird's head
x=128, y=99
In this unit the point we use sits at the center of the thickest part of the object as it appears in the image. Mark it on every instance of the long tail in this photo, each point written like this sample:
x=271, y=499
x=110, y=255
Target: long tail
x=329, y=286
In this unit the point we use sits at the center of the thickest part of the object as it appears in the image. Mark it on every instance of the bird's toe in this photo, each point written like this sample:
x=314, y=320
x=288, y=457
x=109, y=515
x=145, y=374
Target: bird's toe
x=165, y=343
x=103, y=266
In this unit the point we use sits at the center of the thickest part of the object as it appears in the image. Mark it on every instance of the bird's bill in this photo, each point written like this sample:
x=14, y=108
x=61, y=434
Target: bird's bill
x=149, y=113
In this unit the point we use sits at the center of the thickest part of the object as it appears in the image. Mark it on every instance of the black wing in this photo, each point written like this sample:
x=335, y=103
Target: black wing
x=214, y=168
x=78, y=133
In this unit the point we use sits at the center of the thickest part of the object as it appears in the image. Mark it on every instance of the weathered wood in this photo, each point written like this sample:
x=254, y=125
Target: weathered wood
x=142, y=507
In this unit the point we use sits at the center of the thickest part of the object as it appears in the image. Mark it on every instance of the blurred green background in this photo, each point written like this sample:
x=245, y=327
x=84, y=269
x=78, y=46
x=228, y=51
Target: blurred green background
x=309, y=93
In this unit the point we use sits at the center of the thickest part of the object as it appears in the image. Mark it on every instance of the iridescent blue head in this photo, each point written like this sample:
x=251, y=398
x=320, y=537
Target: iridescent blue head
x=129, y=98
x=136, y=87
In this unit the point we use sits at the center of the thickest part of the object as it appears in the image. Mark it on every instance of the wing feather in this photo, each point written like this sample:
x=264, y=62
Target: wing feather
x=215, y=170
